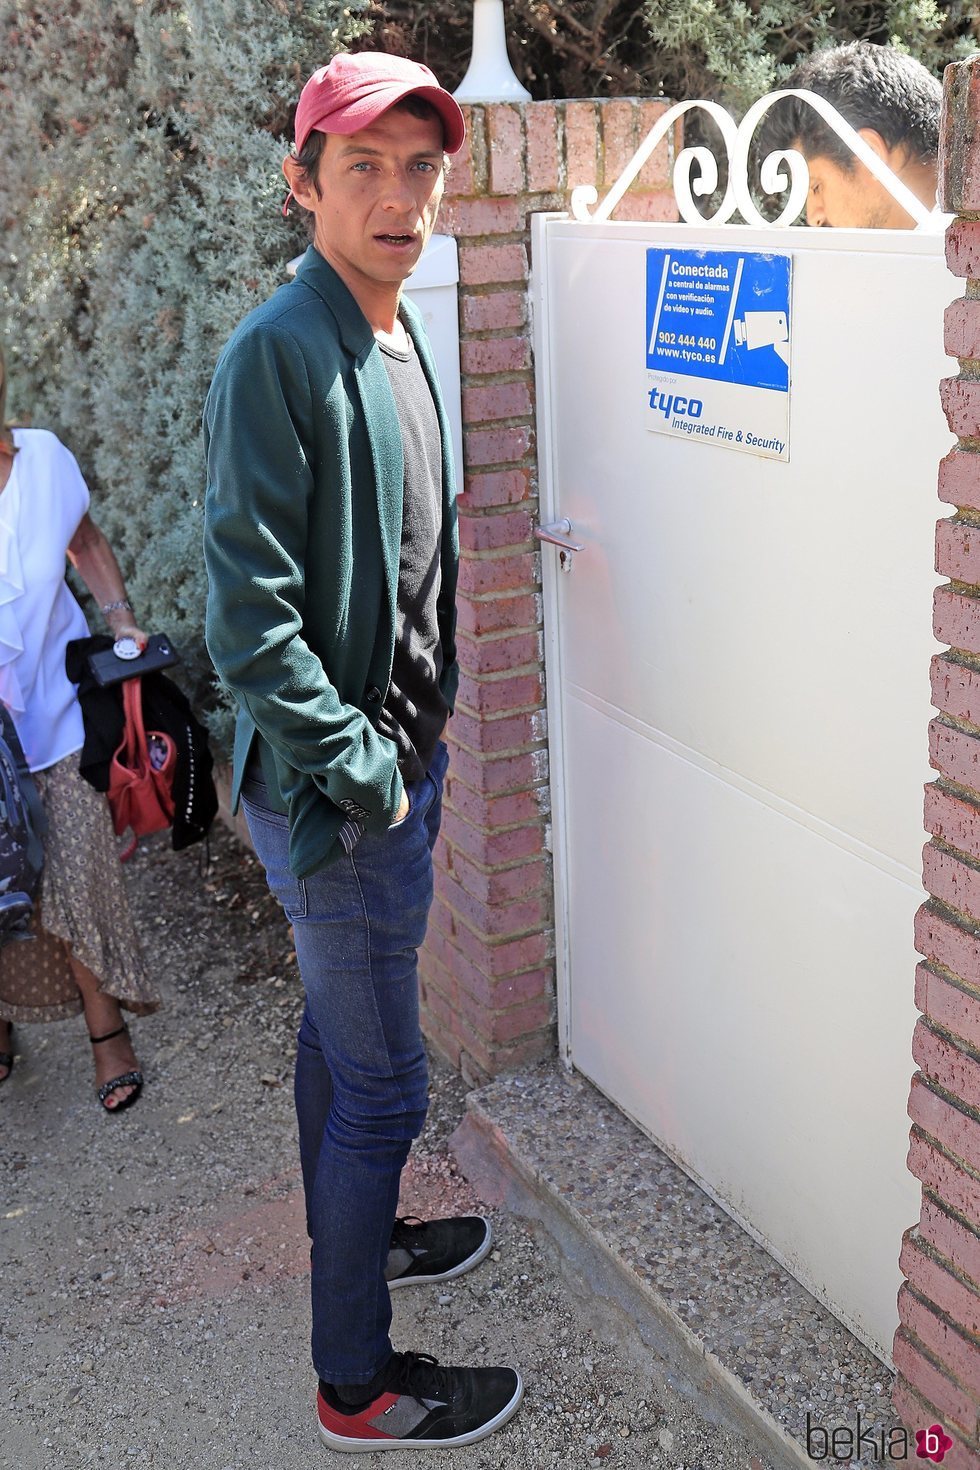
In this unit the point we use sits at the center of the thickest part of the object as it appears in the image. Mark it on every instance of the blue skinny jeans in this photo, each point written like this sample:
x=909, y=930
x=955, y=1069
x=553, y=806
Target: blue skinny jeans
x=362, y=1081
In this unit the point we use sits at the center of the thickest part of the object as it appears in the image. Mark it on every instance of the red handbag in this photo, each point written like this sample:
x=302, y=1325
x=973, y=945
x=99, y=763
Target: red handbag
x=141, y=773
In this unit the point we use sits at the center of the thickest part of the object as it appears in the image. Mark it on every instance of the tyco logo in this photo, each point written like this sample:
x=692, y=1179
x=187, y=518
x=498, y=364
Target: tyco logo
x=690, y=407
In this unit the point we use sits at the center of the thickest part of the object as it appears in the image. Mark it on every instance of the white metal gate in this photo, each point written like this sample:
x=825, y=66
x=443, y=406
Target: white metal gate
x=738, y=700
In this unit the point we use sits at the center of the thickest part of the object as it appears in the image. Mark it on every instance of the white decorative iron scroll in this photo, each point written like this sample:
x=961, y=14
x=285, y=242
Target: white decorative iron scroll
x=779, y=171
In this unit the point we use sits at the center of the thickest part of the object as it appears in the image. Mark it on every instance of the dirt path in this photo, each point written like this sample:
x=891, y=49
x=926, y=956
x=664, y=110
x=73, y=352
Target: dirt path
x=154, y=1308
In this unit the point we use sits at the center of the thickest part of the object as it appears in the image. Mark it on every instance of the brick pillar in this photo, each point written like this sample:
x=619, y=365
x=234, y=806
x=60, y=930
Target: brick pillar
x=937, y=1347
x=487, y=968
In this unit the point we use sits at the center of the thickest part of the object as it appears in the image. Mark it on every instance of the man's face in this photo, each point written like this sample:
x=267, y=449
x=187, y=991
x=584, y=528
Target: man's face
x=851, y=198
x=380, y=191
x=837, y=195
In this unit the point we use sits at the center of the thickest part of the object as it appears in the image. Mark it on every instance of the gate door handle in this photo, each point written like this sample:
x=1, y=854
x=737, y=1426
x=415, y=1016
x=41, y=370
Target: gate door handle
x=558, y=533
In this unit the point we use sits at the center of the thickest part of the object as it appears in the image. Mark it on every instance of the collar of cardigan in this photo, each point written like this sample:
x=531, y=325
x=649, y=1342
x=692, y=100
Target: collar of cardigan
x=355, y=330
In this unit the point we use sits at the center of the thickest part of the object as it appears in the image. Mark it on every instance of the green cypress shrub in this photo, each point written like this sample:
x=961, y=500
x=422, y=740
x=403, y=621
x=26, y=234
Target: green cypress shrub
x=140, y=144
x=140, y=197
x=731, y=51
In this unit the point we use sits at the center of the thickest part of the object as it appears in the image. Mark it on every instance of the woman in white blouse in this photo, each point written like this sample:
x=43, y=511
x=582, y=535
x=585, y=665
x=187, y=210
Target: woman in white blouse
x=86, y=956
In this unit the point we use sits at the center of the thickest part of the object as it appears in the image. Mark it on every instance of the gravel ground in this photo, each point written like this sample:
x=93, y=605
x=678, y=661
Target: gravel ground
x=155, y=1308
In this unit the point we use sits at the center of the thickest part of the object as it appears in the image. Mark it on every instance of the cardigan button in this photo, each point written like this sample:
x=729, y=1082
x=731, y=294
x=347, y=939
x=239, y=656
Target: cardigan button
x=374, y=694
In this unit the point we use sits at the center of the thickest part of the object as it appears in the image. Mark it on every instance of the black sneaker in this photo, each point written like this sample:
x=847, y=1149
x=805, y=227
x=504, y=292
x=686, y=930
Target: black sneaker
x=435, y=1250
x=422, y=1406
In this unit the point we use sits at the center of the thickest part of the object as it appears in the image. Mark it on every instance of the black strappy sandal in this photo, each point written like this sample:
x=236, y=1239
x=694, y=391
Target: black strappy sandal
x=7, y=1058
x=128, y=1079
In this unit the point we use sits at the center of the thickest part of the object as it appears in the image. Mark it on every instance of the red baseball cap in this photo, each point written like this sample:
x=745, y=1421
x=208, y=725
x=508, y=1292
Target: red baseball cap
x=354, y=90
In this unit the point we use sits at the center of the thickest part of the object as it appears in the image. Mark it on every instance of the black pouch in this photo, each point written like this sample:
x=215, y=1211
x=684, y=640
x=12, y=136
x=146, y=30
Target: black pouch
x=108, y=669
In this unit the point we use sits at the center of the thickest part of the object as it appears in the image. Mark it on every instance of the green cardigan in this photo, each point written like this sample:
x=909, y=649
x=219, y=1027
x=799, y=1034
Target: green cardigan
x=302, y=534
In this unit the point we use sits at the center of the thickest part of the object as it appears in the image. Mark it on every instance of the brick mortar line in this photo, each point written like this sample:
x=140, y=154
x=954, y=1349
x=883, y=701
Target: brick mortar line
x=484, y=599
x=502, y=674
x=516, y=507
x=499, y=634
x=485, y=553
x=495, y=941
x=543, y=888
x=927, y=1249
x=958, y=723
x=505, y=714
x=544, y=971
x=482, y=289
x=966, y=858
x=536, y=785
x=916, y=1294
x=949, y=787
x=942, y=1033
x=473, y=712
x=529, y=747
x=500, y=467
x=492, y=553
x=957, y=1218
x=500, y=979
x=943, y=972
x=515, y=421
x=940, y=909
x=959, y=658
x=519, y=377
x=494, y=1009
x=945, y=1369
x=488, y=598
x=502, y=827
x=961, y=919
x=490, y=870
x=917, y=1131
x=504, y=379
x=952, y=1098
x=485, y=242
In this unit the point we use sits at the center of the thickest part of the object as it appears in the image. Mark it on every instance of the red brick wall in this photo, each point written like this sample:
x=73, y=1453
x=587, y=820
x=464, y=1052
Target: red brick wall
x=937, y=1346
x=487, y=968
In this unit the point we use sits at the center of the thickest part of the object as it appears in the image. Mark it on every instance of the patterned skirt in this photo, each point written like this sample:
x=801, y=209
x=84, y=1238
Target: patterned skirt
x=83, y=901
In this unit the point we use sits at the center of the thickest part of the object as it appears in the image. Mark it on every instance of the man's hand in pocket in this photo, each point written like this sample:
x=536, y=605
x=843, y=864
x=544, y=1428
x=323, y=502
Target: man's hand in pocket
x=403, y=806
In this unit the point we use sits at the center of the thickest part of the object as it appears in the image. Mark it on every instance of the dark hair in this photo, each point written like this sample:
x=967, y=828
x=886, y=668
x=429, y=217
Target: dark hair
x=871, y=86
x=309, y=155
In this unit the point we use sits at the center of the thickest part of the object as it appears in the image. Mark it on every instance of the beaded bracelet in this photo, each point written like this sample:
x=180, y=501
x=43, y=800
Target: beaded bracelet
x=122, y=605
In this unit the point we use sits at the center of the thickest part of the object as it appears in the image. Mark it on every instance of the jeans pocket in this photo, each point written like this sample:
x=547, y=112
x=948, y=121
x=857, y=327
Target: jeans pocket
x=410, y=791
x=439, y=765
x=270, y=838
x=254, y=793
x=292, y=896
x=394, y=826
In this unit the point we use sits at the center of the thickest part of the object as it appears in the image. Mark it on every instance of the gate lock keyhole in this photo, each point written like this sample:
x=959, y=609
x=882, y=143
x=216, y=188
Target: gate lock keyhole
x=559, y=533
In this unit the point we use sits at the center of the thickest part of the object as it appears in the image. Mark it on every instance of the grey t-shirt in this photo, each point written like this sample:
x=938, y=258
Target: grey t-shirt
x=414, y=713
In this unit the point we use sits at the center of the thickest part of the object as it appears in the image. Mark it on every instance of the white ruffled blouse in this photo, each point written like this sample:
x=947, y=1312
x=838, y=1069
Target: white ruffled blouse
x=41, y=507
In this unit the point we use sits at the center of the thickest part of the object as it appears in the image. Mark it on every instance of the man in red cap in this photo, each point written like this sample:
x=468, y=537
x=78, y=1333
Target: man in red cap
x=332, y=552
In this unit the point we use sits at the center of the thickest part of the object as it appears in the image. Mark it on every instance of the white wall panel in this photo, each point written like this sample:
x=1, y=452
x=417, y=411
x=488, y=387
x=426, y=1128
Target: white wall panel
x=738, y=683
